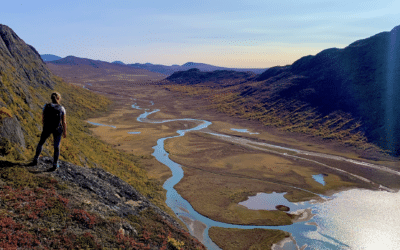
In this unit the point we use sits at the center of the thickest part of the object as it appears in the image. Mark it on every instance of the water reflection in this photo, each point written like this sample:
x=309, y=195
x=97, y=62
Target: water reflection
x=270, y=201
x=243, y=131
x=319, y=178
x=363, y=219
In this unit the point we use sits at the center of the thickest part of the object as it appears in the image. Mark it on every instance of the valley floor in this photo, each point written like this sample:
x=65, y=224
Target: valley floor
x=220, y=171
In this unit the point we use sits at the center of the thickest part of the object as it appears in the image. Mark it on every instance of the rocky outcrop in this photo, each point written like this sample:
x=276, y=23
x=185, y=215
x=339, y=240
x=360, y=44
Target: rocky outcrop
x=21, y=61
x=21, y=71
x=109, y=192
x=11, y=129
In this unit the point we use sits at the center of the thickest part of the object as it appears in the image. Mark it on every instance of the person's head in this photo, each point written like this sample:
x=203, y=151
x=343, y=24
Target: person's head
x=55, y=98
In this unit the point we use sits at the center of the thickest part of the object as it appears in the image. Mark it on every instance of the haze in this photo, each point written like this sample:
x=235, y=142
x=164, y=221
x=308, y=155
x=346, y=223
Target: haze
x=223, y=33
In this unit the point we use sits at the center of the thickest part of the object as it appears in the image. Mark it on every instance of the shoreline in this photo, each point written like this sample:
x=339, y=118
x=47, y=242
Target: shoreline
x=302, y=215
x=196, y=226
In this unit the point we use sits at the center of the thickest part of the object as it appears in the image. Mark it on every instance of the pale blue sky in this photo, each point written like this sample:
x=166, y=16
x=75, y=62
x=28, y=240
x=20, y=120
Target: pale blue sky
x=252, y=33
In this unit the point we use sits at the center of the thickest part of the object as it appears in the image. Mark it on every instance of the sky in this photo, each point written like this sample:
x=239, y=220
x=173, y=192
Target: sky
x=242, y=34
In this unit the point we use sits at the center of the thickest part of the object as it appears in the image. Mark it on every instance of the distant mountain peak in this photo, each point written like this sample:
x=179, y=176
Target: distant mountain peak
x=190, y=64
x=118, y=62
x=395, y=29
x=50, y=57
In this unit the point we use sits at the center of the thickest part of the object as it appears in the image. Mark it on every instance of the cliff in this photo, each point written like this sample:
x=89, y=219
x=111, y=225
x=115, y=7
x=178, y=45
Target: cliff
x=21, y=71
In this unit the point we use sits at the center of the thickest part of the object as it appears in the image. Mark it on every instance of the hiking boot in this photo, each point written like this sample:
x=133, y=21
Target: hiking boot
x=33, y=163
x=54, y=168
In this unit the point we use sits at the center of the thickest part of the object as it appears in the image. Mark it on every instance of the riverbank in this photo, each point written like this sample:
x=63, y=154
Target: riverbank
x=197, y=227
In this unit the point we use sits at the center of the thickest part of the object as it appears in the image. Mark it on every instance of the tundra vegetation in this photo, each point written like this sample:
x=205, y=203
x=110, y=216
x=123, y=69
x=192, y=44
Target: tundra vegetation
x=40, y=212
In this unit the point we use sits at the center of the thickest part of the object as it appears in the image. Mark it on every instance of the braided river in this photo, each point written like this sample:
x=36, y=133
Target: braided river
x=352, y=219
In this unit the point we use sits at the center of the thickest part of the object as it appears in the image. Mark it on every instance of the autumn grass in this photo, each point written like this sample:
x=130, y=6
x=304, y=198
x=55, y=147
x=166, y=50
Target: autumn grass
x=219, y=175
x=221, y=156
x=246, y=239
x=287, y=116
x=80, y=147
x=138, y=144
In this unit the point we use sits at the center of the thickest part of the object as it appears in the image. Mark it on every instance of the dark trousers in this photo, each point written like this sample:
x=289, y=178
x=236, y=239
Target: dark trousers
x=57, y=140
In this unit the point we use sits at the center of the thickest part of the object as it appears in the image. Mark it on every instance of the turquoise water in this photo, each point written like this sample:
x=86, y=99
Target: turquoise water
x=243, y=131
x=270, y=201
x=99, y=124
x=134, y=133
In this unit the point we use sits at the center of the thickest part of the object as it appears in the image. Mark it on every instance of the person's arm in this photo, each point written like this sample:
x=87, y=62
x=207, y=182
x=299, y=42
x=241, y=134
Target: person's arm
x=64, y=125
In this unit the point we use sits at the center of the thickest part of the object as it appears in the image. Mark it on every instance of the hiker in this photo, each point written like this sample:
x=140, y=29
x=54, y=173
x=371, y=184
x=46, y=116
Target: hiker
x=54, y=122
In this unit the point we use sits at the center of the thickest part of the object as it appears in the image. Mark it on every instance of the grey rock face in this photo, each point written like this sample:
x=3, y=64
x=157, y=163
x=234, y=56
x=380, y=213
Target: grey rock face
x=22, y=71
x=22, y=61
x=111, y=192
x=10, y=128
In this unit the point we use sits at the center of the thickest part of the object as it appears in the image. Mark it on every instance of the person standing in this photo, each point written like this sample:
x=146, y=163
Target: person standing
x=54, y=122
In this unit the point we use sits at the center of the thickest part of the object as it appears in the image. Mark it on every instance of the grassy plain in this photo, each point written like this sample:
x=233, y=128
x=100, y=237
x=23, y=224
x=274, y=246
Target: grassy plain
x=219, y=175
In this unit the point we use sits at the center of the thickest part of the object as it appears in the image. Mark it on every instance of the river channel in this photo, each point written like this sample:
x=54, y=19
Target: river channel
x=353, y=219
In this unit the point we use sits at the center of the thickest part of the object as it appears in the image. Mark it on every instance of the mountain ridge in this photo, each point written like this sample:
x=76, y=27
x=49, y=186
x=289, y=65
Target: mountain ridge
x=350, y=94
x=157, y=68
x=355, y=80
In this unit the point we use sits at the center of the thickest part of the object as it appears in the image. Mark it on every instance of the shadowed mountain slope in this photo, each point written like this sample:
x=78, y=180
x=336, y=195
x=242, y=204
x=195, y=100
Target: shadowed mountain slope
x=351, y=95
x=362, y=79
x=222, y=77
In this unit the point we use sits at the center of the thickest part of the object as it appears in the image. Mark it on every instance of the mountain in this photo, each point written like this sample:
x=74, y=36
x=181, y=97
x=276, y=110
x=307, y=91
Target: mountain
x=84, y=204
x=362, y=79
x=78, y=61
x=350, y=94
x=93, y=70
x=49, y=57
x=221, y=77
x=169, y=70
x=21, y=71
x=118, y=62
x=73, y=60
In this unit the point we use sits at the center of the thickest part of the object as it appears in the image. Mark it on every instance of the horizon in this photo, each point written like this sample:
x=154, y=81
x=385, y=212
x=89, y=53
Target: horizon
x=131, y=63
x=254, y=34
